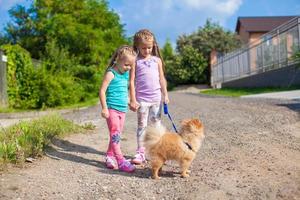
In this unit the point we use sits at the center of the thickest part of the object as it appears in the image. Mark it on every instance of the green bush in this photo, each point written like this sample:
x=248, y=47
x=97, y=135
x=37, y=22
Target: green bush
x=8, y=152
x=57, y=90
x=186, y=68
x=89, y=77
x=209, y=37
x=22, y=90
x=57, y=81
x=63, y=81
x=29, y=139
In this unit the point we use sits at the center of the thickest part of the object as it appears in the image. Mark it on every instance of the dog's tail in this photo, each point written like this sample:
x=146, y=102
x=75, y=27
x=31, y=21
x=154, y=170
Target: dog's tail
x=153, y=135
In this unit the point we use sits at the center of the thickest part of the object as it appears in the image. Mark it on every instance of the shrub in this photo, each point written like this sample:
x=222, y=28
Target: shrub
x=22, y=90
x=56, y=81
x=29, y=139
x=57, y=90
x=188, y=67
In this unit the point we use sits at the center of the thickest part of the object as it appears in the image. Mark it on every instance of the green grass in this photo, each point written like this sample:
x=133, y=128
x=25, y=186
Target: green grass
x=237, y=92
x=90, y=102
x=12, y=110
x=30, y=138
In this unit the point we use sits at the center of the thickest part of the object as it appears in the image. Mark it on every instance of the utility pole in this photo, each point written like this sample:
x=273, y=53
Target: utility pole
x=3, y=81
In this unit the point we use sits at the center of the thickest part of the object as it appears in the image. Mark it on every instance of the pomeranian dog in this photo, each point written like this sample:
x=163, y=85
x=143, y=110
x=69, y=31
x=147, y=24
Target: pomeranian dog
x=162, y=145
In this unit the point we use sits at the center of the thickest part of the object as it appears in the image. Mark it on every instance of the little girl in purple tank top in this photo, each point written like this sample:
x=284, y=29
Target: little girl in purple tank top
x=148, y=86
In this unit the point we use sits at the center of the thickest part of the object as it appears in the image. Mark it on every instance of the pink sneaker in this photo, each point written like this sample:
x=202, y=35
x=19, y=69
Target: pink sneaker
x=139, y=158
x=110, y=163
x=126, y=166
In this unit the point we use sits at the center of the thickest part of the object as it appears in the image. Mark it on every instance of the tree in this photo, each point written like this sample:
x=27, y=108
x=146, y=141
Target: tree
x=205, y=39
x=73, y=39
x=167, y=50
x=187, y=67
x=86, y=28
x=210, y=36
x=3, y=39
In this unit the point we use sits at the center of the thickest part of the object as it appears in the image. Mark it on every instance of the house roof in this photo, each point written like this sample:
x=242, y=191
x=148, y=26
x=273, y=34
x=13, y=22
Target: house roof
x=261, y=24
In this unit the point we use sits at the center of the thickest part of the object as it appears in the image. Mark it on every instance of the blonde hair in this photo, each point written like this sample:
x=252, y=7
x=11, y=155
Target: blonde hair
x=120, y=53
x=146, y=35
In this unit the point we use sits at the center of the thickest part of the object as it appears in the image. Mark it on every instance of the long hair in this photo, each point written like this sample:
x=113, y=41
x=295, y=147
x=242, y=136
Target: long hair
x=146, y=35
x=120, y=53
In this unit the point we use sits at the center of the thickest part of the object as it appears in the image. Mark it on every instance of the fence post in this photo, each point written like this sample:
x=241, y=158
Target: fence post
x=238, y=59
x=262, y=55
x=3, y=81
x=298, y=33
x=223, y=77
x=278, y=48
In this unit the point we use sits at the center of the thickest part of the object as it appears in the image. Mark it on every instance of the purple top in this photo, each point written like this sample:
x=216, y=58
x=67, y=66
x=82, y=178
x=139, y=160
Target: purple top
x=147, y=85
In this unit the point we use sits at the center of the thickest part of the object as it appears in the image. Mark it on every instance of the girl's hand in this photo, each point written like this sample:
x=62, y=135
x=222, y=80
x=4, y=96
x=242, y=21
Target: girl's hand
x=105, y=113
x=134, y=106
x=166, y=99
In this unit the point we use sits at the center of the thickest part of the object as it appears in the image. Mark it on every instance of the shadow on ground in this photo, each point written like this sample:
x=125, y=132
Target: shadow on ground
x=294, y=106
x=64, y=150
x=61, y=150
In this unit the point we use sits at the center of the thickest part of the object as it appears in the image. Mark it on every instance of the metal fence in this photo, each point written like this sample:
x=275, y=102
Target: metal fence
x=273, y=50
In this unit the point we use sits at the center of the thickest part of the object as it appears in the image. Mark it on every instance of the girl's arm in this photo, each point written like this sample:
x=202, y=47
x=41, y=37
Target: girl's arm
x=102, y=96
x=163, y=82
x=132, y=98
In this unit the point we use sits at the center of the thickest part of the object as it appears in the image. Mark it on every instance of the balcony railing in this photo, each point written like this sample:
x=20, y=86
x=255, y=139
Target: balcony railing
x=273, y=50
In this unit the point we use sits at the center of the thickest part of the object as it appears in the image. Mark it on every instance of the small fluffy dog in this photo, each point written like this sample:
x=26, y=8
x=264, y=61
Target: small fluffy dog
x=162, y=145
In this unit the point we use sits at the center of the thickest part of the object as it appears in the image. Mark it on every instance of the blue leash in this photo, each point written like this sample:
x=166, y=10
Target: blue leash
x=166, y=112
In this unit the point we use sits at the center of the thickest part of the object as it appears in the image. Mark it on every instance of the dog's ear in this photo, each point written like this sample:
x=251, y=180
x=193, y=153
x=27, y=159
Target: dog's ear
x=196, y=123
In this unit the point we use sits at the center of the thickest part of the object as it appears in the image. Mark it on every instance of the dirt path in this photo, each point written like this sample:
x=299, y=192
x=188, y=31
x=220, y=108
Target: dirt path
x=251, y=151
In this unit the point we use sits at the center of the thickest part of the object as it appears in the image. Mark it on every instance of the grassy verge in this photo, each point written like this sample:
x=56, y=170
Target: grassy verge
x=90, y=102
x=237, y=92
x=30, y=138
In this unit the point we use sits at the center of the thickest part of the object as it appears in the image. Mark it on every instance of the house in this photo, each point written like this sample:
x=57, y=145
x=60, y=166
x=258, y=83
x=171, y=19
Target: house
x=268, y=45
x=250, y=29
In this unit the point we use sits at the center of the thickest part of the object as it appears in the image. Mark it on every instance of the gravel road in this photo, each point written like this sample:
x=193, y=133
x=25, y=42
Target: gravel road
x=251, y=151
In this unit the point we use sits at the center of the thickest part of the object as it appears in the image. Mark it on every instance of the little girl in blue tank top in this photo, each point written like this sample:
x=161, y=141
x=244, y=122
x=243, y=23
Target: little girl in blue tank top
x=113, y=96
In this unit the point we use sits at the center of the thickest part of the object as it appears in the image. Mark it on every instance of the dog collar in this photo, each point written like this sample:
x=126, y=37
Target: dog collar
x=189, y=146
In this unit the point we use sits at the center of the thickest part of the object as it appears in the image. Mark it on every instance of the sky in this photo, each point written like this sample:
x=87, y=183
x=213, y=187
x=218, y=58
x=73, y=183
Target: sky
x=168, y=19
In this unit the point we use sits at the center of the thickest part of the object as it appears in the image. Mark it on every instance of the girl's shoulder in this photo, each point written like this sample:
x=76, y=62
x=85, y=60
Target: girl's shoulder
x=117, y=74
x=110, y=70
x=108, y=75
x=156, y=59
